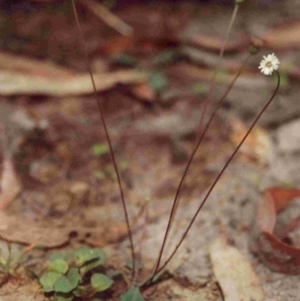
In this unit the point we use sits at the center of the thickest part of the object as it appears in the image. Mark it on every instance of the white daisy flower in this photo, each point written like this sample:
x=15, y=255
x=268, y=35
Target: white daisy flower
x=269, y=64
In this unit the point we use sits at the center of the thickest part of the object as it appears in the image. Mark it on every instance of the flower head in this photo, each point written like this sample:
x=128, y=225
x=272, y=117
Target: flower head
x=269, y=64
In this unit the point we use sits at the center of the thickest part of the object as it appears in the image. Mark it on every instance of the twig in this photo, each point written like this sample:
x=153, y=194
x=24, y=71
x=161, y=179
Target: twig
x=108, y=17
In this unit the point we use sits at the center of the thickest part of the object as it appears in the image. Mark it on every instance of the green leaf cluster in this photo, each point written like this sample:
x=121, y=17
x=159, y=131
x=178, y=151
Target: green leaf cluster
x=72, y=275
x=133, y=294
x=100, y=149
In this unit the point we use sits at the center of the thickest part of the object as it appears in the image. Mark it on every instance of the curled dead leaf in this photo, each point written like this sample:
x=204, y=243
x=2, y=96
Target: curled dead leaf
x=234, y=273
x=276, y=254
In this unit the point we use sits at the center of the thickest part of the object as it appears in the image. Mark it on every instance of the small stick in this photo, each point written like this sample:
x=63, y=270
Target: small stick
x=108, y=17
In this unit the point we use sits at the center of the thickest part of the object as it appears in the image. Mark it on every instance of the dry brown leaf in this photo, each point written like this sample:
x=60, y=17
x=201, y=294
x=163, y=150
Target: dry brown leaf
x=12, y=83
x=258, y=145
x=215, y=43
x=10, y=184
x=285, y=36
x=234, y=273
x=276, y=254
x=117, y=45
x=24, y=75
x=27, y=65
x=143, y=91
x=25, y=231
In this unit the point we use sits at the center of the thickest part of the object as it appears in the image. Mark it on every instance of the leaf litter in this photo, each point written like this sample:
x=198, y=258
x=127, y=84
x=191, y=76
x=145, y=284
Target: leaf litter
x=233, y=205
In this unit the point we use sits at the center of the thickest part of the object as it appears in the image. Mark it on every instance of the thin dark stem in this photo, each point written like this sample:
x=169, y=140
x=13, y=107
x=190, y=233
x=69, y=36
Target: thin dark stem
x=174, y=206
x=220, y=174
x=218, y=65
x=111, y=151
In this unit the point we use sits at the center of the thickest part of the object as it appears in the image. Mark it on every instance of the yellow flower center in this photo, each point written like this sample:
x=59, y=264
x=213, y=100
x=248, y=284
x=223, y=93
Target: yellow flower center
x=269, y=64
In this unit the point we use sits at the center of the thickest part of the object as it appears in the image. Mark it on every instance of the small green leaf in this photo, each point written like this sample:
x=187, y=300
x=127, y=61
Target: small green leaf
x=101, y=282
x=125, y=60
x=59, y=266
x=60, y=255
x=165, y=57
x=66, y=284
x=158, y=81
x=99, y=258
x=111, y=172
x=48, y=280
x=84, y=254
x=123, y=165
x=221, y=75
x=79, y=291
x=100, y=149
x=133, y=294
x=99, y=175
x=55, y=256
x=92, y=265
x=199, y=88
x=129, y=264
x=63, y=297
x=114, y=273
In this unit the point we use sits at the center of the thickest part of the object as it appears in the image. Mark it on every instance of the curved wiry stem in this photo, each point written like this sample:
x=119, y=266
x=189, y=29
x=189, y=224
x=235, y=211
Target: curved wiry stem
x=174, y=206
x=220, y=174
x=111, y=151
x=198, y=133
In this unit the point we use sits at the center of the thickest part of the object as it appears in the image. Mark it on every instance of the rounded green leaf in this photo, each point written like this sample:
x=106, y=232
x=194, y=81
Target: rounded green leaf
x=59, y=266
x=133, y=294
x=61, y=255
x=48, y=280
x=100, y=282
x=67, y=283
x=63, y=297
x=79, y=291
x=100, y=258
x=57, y=255
x=101, y=255
x=84, y=254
